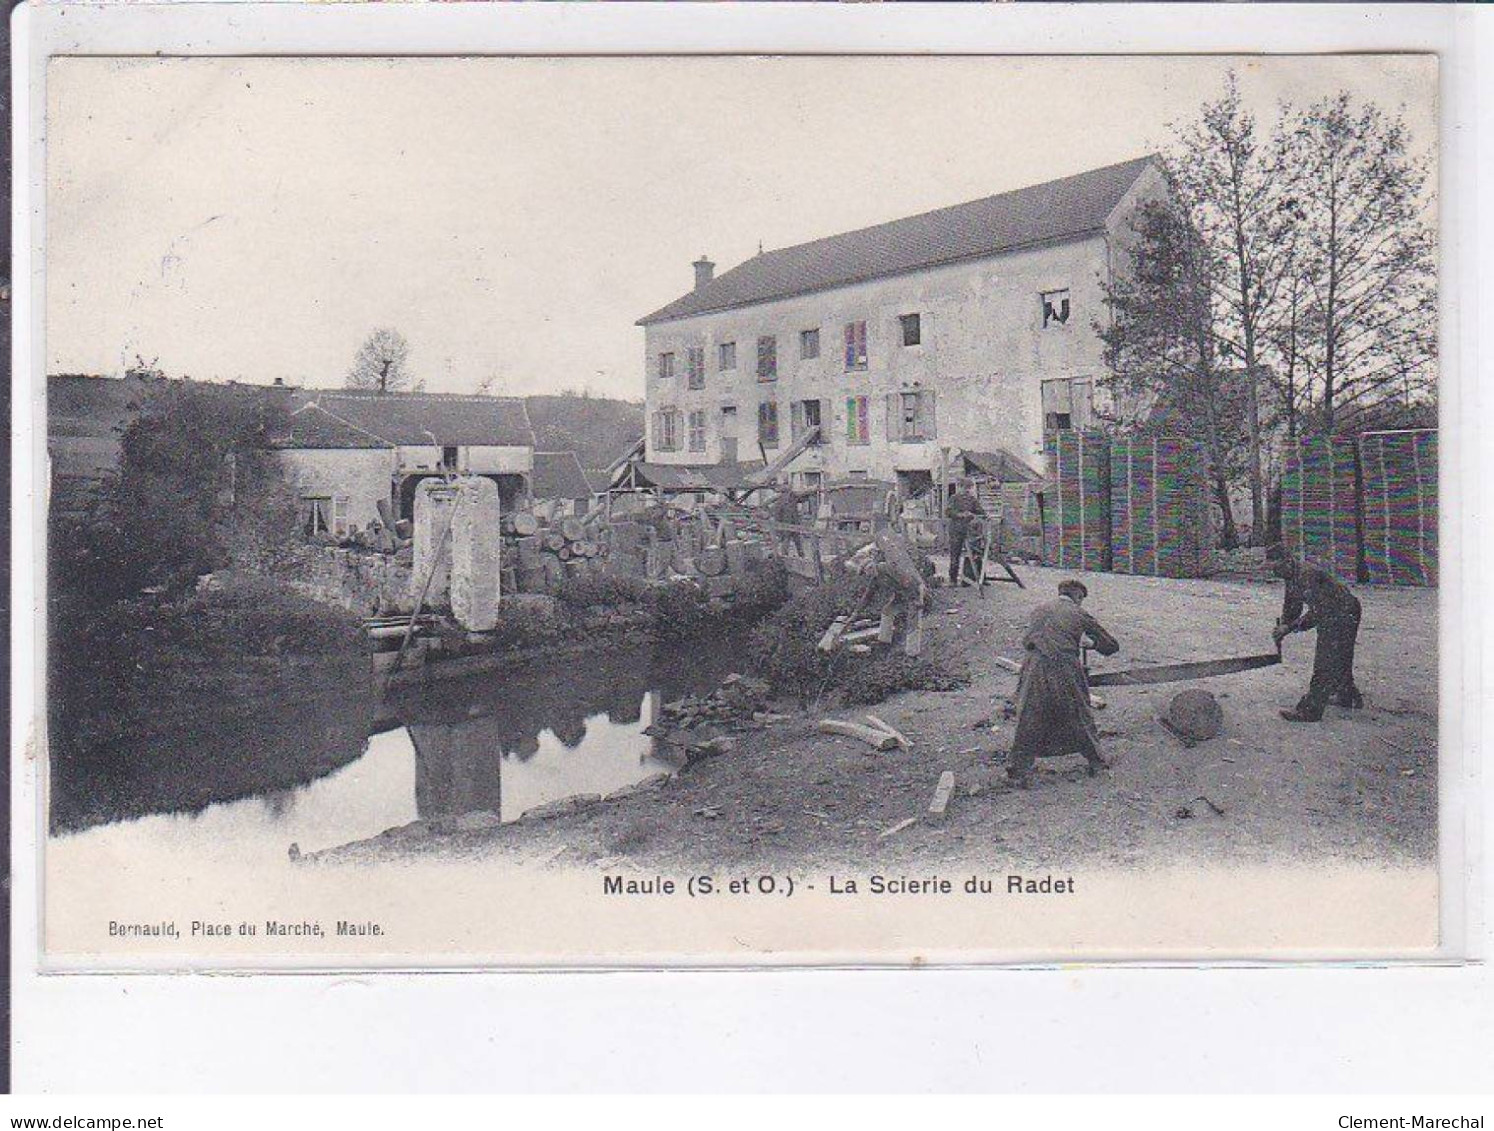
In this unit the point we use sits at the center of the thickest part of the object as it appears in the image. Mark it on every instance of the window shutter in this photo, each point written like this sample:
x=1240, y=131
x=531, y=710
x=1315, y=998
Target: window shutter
x=894, y=417
x=926, y=410
x=340, y=515
x=796, y=419
x=1056, y=397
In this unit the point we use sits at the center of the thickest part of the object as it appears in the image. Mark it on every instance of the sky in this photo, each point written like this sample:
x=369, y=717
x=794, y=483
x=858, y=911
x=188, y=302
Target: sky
x=255, y=219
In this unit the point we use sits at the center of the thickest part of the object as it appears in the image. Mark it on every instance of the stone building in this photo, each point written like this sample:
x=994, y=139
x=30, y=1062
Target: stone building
x=970, y=327
x=347, y=450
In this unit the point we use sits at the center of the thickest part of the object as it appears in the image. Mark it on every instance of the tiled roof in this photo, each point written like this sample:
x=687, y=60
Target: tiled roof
x=312, y=426
x=1057, y=210
x=558, y=475
x=427, y=419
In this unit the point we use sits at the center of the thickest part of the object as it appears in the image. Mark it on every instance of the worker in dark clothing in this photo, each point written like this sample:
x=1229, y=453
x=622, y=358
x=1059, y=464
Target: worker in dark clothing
x=1053, y=709
x=1315, y=599
x=786, y=513
x=962, y=510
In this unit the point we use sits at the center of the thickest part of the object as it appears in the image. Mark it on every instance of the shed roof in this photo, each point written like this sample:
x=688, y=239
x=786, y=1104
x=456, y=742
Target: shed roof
x=1000, y=465
x=427, y=419
x=1064, y=209
x=705, y=477
x=558, y=475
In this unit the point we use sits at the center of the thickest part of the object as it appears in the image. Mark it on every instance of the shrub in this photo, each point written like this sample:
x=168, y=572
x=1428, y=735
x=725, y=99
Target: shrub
x=763, y=589
x=878, y=676
x=679, y=609
x=782, y=648
x=593, y=590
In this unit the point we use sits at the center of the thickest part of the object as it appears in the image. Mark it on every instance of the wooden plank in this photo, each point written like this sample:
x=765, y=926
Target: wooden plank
x=942, y=793
x=876, y=739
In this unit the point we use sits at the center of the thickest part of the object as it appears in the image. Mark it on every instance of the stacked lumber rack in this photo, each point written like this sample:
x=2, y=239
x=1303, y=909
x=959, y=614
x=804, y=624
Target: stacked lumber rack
x=1399, y=506
x=1161, y=517
x=1320, y=513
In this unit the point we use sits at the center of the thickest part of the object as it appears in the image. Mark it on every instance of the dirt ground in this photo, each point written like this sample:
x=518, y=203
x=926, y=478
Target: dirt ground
x=1359, y=785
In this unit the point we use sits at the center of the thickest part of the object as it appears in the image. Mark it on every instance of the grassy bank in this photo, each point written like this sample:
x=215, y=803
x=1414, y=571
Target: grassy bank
x=173, y=705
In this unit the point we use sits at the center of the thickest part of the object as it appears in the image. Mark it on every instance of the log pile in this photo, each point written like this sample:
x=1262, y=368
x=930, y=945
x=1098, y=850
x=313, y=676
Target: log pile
x=545, y=554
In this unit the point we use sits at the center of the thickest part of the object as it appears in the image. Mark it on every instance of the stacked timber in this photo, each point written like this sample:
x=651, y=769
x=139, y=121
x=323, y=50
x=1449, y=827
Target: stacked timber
x=548, y=553
x=1161, y=520
x=1399, y=506
x=1076, y=514
x=1320, y=517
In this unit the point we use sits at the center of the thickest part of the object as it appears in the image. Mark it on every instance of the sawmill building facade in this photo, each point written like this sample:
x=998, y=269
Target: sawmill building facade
x=967, y=328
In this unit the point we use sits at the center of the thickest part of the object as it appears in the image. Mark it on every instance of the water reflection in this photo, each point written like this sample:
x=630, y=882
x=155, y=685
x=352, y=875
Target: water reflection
x=500, y=743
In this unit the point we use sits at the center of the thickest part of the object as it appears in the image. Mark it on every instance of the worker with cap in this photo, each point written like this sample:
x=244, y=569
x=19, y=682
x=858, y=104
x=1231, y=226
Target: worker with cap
x=1315, y=599
x=1053, y=705
x=962, y=510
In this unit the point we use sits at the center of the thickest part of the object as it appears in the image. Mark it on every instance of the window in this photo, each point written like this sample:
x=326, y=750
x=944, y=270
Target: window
x=910, y=416
x=912, y=326
x=1067, y=403
x=805, y=415
x=667, y=430
x=728, y=433
x=695, y=367
x=809, y=344
x=1055, y=308
x=767, y=424
x=448, y=458
x=858, y=420
x=325, y=514
x=666, y=366
x=807, y=480
x=726, y=356
x=855, y=345
x=767, y=358
x=697, y=430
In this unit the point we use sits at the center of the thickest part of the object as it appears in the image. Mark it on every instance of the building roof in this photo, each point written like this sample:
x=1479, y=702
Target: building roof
x=425, y=419
x=558, y=475
x=1056, y=210
x=312, y=426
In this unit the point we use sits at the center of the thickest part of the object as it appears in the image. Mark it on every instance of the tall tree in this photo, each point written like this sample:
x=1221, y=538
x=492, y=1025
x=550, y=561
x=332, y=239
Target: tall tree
x=382, y=363
x=1227, y=181
x=1162, y=353
x=1368, y=272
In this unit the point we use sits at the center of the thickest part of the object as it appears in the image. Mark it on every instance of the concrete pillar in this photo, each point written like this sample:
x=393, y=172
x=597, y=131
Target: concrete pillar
x=475, y=549
x=434, y=499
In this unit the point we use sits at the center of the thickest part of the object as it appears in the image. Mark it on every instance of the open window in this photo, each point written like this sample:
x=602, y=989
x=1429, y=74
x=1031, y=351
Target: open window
x=805, y=415
x=912, y=328
x=1067, y=404
x=325, y=515
x=910, y=417
x=1055, y=308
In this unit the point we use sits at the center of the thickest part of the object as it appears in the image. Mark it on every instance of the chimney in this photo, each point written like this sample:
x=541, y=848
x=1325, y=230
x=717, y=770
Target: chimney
x=705, y=271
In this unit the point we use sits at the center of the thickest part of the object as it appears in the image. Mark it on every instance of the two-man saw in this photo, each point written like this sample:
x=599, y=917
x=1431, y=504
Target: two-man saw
x=1172, y=673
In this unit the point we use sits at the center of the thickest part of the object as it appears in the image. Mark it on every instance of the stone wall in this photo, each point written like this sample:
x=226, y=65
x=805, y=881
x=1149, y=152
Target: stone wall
x=358, y=580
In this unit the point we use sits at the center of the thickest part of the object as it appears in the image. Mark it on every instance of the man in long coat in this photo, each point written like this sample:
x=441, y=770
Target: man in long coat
x=1315, y=599
x=1053, y=711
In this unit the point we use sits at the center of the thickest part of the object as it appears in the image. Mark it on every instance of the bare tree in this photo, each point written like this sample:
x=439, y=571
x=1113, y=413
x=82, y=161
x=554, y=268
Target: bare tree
x=1228, y=182
x=1161, y=347
x=382, y=363
x=1368, y=272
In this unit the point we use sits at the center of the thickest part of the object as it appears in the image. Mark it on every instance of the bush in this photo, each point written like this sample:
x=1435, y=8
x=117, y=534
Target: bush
x=679, y=609
x=593, y=590
x=762, y=589
x=876, y=677
x=783, y=648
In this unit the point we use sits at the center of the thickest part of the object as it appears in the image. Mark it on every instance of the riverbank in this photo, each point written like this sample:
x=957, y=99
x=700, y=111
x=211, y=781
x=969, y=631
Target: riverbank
x=171, y=705
x=1358, y=786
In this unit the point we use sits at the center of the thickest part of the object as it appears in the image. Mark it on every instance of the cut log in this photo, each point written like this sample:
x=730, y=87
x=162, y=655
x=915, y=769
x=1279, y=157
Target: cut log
x=876, y=739
x=1009, y=665
x=565, y=553
x=881, y=724
x=587, y=548
x=554, y=542
x=573, y=529
x=525, y=523
x=942, y=793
